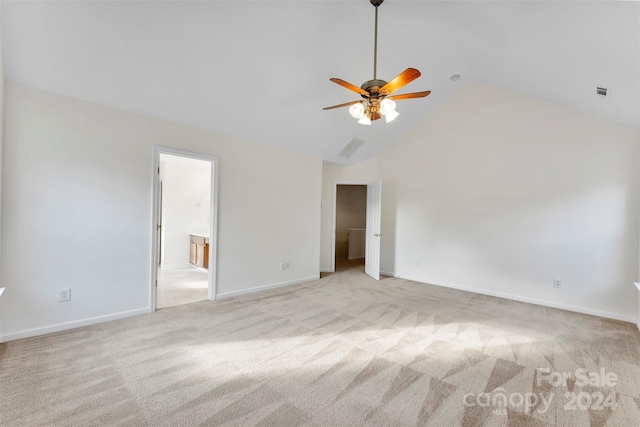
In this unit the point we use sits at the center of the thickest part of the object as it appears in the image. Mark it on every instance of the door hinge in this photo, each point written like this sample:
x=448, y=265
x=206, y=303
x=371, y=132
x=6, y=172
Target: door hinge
x=158, y=170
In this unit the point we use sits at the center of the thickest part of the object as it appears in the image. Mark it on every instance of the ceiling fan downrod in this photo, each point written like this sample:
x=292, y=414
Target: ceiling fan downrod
x=375, y=3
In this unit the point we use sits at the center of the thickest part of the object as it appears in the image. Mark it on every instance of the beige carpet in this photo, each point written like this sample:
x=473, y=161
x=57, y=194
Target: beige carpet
x=341, y=351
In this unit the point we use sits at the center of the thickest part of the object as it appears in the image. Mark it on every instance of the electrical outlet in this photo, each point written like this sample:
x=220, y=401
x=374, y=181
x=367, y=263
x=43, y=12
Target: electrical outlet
x=557, y=283
x=64, y=294
x=284, y=265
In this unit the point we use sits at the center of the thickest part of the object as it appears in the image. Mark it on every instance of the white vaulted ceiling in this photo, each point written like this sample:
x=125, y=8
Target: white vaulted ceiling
x=259, y=70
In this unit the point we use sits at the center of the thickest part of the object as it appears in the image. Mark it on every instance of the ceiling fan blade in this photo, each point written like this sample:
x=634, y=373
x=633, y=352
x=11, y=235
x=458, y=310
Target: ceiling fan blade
x=410, y=95
x=405, y=77
x=341, y=105
x=349, y=86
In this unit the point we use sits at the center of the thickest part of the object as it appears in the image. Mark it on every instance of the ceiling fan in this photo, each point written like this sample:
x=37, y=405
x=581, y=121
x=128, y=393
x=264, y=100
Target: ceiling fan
x=378, y=101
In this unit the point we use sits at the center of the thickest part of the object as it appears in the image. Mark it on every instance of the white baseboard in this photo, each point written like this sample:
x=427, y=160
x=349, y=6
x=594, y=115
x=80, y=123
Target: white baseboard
x=266, y=287
x=545, y=303
x=27, y=333
x=355, y=257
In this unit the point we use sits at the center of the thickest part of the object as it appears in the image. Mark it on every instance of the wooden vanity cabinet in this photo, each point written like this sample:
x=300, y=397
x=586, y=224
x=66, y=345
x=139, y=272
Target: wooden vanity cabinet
x=199, y=251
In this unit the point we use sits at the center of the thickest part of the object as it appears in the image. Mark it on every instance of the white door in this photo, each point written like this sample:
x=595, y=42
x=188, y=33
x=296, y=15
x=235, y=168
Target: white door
x=374, y=208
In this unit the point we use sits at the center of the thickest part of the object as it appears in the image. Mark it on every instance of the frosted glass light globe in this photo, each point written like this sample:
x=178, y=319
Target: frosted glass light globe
x=357, y=110
x=387, y=106
x=391, y=115
x=365, y=121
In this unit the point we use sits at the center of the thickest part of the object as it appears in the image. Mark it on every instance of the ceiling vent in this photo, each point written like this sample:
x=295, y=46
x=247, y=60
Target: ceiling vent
x=603, y=92
x=350, y=148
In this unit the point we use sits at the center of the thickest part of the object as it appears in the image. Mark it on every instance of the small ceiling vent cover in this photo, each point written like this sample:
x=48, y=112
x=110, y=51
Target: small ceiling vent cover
x=350, y=148
x=602, y=92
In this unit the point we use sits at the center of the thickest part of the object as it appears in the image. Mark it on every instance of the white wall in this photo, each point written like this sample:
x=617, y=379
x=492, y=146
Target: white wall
x=77, y=211
x=501, y=193
x=186, y=201
x=1, y=132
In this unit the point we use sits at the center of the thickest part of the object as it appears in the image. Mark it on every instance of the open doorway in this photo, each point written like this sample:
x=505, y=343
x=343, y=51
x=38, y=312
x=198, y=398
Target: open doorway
x=351, y=222
x=185, y=236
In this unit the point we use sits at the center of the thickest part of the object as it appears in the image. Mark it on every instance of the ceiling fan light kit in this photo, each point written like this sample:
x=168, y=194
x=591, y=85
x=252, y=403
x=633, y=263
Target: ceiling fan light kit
x=377, y=99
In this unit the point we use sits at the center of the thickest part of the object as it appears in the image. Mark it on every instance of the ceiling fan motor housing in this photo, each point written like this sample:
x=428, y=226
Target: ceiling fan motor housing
x=373, y=87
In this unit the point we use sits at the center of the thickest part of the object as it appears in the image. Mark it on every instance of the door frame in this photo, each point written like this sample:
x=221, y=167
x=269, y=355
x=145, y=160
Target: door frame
x=335, y=209
x=213, y=222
